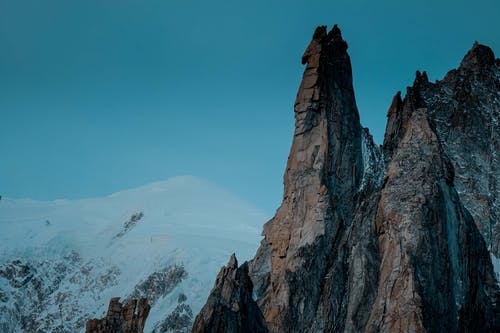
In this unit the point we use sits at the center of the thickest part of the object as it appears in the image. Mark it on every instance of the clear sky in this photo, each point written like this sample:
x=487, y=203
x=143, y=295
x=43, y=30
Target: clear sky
x=98, y=96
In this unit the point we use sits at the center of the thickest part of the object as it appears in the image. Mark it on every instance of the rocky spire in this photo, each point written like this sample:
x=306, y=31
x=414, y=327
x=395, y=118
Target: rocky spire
x=396, y=120
x=400, y=112
x=230, y=307
x=321, y=180
x=480, y=57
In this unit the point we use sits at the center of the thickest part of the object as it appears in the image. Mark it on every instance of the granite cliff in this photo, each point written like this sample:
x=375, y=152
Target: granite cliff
x=396, y=238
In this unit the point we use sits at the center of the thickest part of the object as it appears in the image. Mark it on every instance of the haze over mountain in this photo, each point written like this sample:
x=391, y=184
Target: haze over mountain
x=62, y=261
x=100, y=96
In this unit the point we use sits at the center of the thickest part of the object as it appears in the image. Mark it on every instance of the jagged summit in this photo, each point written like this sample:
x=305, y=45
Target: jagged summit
x=350, y=252
x=478, y=58
x=335, y=35
x=420, y=79
x=230, y=307
x=233, y=262
x=321, y=40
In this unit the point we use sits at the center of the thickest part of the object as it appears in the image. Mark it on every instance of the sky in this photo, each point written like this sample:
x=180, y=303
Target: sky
x=99, y=96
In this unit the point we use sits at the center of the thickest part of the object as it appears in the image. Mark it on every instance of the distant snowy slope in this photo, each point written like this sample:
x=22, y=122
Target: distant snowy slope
x=62, y=261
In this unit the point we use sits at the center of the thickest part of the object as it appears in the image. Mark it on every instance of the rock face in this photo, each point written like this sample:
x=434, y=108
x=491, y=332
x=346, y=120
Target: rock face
x=392, y=238
x=464, y=109
x=301, y=259
x=435, y=271
x=230, y=307
x=128, y=318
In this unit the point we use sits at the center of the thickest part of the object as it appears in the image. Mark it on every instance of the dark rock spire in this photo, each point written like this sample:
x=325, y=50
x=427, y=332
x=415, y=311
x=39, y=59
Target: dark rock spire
x=480, y=57
x=394, y=131
x=230, y=307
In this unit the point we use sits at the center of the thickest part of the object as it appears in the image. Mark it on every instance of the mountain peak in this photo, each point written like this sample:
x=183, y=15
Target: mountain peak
x=230, y=307
x=330, y=45
x=335, y=34
x=233, y=262
x=420, y=78
x=320, y=33
x=479, y=57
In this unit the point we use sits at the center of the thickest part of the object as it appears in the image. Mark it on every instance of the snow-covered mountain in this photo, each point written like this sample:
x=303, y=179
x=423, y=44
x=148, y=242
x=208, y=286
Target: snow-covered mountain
x=61, y=261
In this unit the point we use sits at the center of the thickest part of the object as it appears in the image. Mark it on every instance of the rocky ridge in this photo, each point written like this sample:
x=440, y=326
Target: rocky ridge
x=56, y=276
x=394, y=238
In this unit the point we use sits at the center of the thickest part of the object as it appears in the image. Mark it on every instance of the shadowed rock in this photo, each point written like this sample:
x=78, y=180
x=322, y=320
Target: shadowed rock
x=464, y=109
x=230, y=307
x=434, y=263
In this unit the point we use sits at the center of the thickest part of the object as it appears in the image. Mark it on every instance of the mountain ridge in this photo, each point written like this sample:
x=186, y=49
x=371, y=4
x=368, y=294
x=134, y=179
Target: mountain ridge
x=73, y=265
x=380, y=239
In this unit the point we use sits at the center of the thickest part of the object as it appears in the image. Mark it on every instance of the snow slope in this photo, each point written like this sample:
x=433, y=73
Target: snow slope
x=61, y=261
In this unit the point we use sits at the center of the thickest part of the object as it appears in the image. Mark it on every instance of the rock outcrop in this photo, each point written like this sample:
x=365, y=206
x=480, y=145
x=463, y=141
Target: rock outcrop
x=128, y=318
x=392, y=238
x=435, y=272
x=230, y=307
x=464, y=108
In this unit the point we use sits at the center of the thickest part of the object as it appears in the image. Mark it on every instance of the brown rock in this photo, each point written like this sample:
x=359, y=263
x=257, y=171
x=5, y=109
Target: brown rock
x=128, y=318
x=434, y=264
x=230, y=307
x=322, y=177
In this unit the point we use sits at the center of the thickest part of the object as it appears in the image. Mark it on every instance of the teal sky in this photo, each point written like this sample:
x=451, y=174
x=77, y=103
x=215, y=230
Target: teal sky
x=100, y=96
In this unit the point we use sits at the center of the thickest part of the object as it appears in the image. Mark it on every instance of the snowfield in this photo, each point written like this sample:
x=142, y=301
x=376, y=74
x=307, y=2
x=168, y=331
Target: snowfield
x=62, y=261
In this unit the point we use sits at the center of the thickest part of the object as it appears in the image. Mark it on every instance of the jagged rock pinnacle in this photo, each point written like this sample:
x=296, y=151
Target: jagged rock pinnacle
x=330, y=42
x=319, y=33
x=335, y=34
x=325, y=165
x=233, y=262
x=230, y=307
x=395, y=125
x=479, y=57
x=420, y=78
